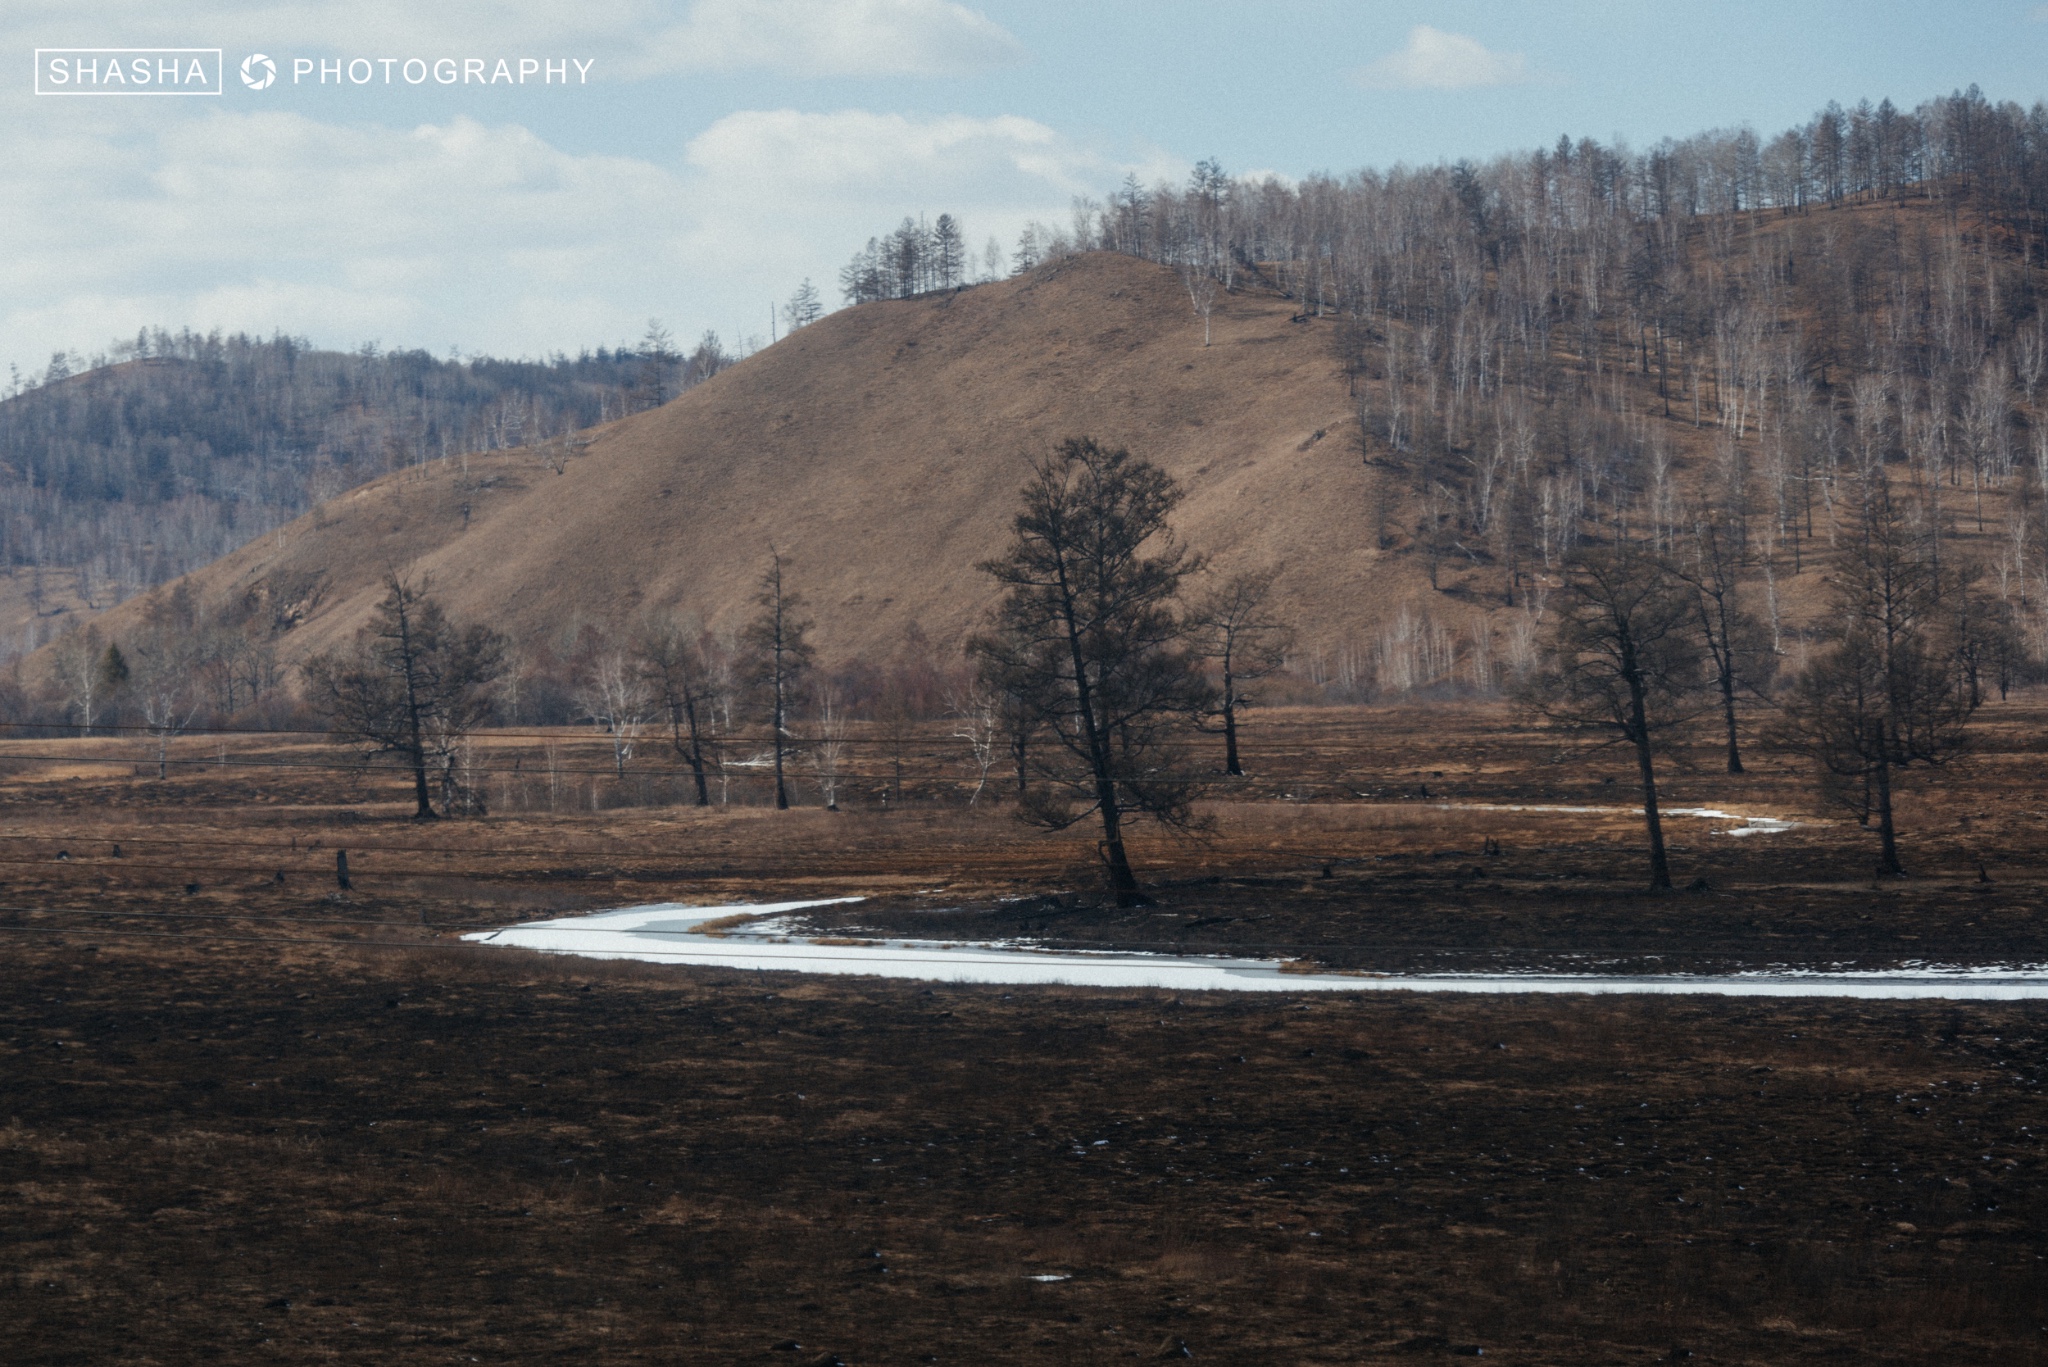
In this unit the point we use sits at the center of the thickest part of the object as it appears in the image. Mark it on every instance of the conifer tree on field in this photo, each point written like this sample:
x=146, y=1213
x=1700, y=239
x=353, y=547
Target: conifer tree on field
x=778, y=662
x=1090, y=639
x=415, y=685
x=1890, y=690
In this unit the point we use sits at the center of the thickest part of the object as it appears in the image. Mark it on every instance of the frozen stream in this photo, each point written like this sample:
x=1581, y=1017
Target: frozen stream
x=759, y=937
x=1745, y=825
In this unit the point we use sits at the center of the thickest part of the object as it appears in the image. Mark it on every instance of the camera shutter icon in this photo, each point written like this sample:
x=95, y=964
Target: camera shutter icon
x=258, y=71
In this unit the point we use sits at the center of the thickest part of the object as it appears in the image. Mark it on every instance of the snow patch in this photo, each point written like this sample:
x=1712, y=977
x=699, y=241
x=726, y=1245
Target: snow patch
x=667, y=933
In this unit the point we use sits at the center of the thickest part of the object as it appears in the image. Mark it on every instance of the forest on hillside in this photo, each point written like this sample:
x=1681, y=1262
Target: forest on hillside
x=1586, y=341
x=171, y=449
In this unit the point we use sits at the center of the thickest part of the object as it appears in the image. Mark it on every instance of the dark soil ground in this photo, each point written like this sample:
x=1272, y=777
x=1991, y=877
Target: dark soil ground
x=251, y=1117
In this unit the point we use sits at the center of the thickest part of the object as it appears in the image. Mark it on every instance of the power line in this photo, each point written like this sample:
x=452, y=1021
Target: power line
x=243, y=939
x=791, y=744
x=489, y=733
x=215, y=916
x=612, y=771
x=342, y=843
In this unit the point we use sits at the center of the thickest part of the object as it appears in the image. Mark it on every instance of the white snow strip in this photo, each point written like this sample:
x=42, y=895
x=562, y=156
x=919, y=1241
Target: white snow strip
x=1752, y=825
x=665, y=933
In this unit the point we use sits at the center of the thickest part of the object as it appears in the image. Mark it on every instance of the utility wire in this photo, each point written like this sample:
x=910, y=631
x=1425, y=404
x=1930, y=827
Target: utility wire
x=632, y=771
x=325, y=846
x=575, y=735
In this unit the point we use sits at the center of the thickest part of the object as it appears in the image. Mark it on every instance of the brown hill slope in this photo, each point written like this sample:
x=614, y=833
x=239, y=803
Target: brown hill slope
x=882, y=448
x=881, y=451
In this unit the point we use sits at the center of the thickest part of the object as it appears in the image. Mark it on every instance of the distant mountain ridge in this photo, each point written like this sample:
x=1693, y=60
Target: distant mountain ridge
x=177, y=447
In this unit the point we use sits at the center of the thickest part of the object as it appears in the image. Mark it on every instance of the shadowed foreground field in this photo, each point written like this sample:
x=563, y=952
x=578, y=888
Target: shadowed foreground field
x=249, y=1118
x=433, y=1158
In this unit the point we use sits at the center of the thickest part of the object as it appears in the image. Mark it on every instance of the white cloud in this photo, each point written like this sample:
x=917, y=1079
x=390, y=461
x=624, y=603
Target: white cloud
x=482, y=235
x=878, y=156
x=1434, y=60
x=428, y=237
x=832, y=38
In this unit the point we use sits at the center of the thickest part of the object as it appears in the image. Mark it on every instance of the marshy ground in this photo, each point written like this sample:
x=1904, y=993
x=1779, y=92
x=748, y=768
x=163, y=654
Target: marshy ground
x=250, y=1117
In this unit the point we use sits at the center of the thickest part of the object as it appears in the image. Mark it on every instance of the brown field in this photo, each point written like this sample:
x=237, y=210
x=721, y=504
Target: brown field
x=249, y=1117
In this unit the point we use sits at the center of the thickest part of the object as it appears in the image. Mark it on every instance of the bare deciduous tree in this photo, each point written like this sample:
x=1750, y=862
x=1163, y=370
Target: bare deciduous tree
x=828, y=746
x=1236, y=628
x=1201, y=287
x=1737, y=644
x=163, y=688
x=84, y=675
x=680, y=678
x=1624, y=663
x=977, y=719
x=615, y=694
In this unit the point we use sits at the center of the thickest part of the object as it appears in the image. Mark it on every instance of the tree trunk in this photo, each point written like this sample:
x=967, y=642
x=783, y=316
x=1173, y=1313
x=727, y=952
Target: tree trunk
x=781, y=788
x=1230, y=764
x=416, y=749
x=1122, y=881
x=1728, y=711
x=697, y=762
x=1887, y=840
x=681, y=714
x=419, y=785
x=1639, y=732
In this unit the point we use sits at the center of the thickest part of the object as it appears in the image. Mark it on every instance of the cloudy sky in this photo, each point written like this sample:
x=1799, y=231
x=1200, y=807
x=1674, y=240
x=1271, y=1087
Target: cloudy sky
x=719, y=151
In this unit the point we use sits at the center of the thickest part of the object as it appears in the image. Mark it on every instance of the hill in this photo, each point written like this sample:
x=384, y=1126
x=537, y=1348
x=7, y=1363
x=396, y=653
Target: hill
x=880, y=450
x=1413, y=427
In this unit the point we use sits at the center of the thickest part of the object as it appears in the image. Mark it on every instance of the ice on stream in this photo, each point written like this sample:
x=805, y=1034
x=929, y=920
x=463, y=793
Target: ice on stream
x=672, y=933
x=1749, y=825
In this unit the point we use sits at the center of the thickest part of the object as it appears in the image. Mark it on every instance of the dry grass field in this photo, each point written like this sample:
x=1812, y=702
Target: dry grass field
x=249, y=1117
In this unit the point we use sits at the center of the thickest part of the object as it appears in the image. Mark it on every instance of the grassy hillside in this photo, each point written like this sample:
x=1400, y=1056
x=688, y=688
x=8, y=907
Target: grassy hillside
x=880, y=450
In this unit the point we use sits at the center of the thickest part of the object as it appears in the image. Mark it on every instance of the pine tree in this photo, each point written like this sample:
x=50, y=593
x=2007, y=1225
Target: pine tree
x=1090, y=639
x=415, y=685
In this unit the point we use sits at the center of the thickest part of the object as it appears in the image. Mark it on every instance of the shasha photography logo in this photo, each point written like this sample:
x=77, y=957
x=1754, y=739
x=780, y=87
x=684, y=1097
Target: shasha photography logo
x=198, y=71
